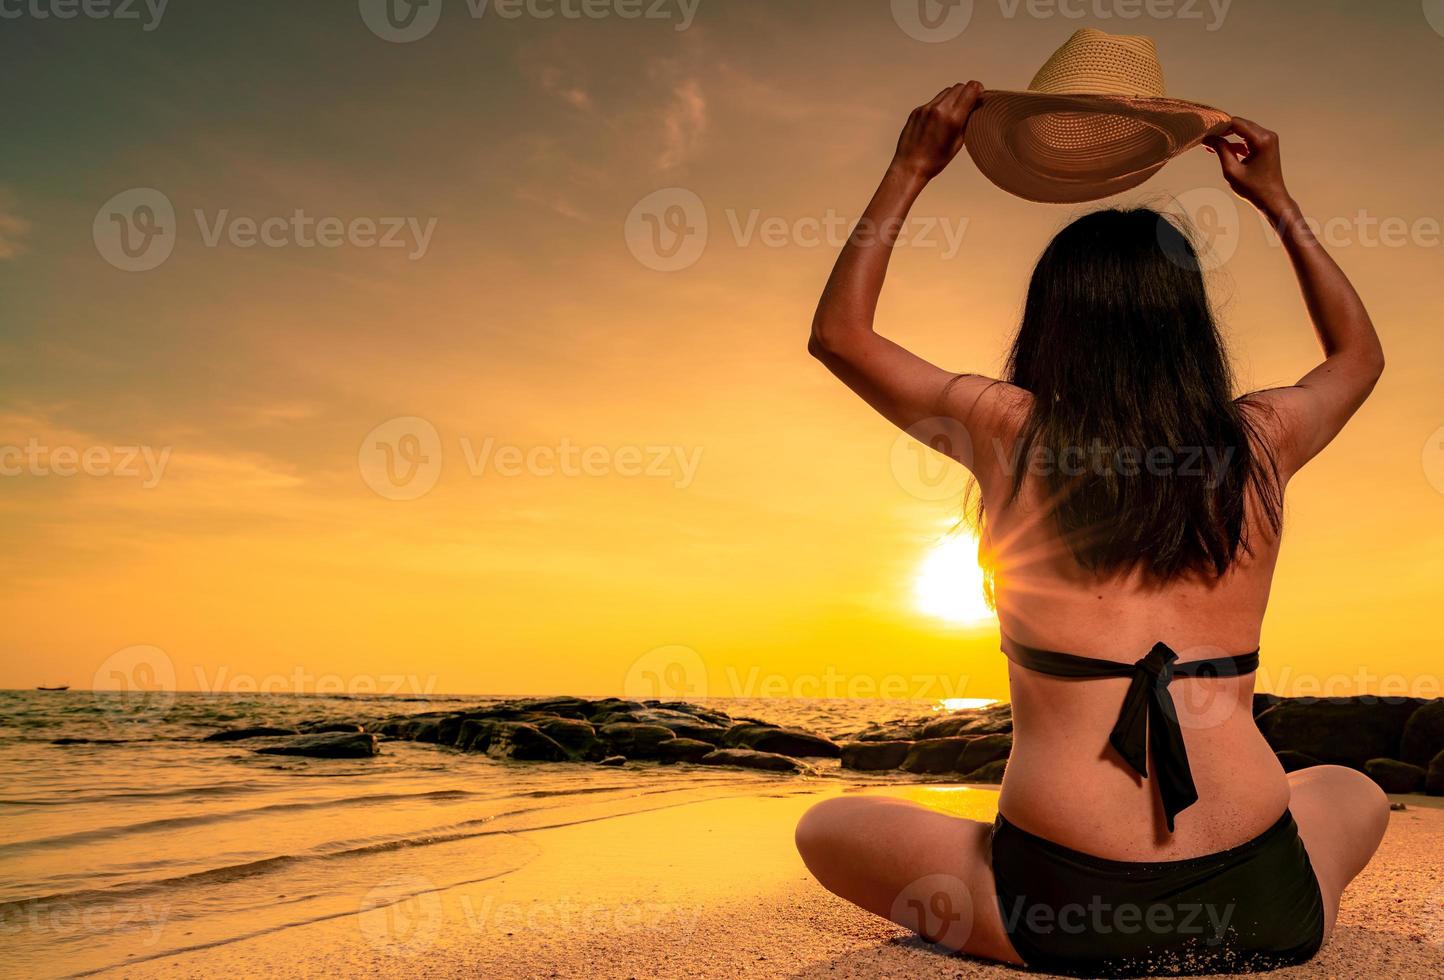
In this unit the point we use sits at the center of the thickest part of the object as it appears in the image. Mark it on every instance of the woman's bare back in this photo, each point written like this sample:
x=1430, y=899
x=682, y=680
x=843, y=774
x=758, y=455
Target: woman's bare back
x=1064, y=782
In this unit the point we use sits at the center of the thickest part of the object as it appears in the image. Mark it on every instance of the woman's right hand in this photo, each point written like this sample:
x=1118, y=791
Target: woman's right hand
x=934, y=132
x=1253, y=168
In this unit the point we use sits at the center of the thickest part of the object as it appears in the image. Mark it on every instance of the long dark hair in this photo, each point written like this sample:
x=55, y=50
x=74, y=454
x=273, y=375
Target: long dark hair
x=1148, y=458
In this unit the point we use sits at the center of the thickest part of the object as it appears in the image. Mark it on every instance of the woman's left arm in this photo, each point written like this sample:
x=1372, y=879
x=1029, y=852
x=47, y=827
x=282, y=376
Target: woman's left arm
x=903, y=387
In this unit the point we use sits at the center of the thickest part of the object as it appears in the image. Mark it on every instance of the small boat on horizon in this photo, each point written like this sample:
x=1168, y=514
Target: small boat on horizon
x=62, y=687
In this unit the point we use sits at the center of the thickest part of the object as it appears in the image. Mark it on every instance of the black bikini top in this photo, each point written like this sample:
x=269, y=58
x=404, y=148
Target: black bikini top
x=1148, y=717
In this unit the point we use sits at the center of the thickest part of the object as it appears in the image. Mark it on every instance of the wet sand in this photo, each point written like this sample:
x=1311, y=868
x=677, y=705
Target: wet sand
x=715, y=889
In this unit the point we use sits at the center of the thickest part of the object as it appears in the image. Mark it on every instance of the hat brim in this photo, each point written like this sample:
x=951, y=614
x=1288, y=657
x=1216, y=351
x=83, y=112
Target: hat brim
x=1063, y=149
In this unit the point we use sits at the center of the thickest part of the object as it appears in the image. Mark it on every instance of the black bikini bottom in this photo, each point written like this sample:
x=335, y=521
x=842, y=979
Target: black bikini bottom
x=1252, y=907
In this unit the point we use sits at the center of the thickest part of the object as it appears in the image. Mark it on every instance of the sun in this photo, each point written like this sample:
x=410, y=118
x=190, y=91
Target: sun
x=949, y=583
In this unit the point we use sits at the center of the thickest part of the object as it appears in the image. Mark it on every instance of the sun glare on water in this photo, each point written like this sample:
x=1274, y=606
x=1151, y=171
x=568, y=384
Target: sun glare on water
x=949, y=583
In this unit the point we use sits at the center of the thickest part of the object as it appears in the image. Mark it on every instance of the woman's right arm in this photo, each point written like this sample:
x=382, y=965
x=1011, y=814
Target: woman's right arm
x=1313, y=411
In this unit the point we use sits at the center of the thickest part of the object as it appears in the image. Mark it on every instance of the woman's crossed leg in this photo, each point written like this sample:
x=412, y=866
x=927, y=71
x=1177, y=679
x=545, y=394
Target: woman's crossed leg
x=925, y=870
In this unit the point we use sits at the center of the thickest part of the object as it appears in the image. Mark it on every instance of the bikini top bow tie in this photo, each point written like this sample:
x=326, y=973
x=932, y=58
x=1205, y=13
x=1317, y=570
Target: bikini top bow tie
x=1148, y=719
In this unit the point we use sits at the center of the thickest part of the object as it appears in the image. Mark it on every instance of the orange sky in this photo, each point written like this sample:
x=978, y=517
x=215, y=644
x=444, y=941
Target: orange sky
x=772, y=532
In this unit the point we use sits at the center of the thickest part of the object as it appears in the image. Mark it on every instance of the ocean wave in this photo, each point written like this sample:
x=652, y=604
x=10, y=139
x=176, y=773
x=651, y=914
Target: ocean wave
x=204, y=819
x=345, y=851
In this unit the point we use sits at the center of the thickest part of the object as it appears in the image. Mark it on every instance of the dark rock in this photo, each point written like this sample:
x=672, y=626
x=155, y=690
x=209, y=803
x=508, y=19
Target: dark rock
x=1434, y=776
x=1294, y=761
x=983, y=751
x=257, y=731
x=935, y=755
x=332, y=728
x=874, y=756
x=1394, y=776
x=607, y=706
x=522, y=743
x=701, y=731
x=448, y=730
x=565, y=707
x=422, y=730
x=95, y=741
x=706, y=714
x=331, y=746
x=748, y=759
x=614, y=761
x=1262, y=702
x=1423, y=734
x=684, y=750
x=992, y=720
x=684, y=725
x=780, y=741
x=633, y=740
x=990, y=773
x=893, y=731
x=475, y=734
x=1343, y=731
x=578, y=737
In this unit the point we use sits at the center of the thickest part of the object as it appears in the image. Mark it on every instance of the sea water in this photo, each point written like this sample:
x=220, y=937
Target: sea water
x=139, y=839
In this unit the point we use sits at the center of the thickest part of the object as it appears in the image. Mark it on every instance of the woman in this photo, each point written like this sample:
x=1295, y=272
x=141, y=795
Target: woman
x=1132, y=520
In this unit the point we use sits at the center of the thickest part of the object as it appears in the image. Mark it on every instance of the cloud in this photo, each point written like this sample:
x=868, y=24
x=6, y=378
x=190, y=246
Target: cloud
x=552, y=202
x=684, y=121
x=554, y=82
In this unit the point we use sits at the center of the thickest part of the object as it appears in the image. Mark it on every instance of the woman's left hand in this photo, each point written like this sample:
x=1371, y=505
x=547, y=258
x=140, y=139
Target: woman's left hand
x=934, y=132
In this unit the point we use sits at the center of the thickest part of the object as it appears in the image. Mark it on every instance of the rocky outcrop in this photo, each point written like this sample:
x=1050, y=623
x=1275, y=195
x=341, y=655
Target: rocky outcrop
x=1394, y=776
x=874, y=756
x=934, y=755
x=522, y=742
x=1263, y=702
x=992, y=720
x=1434, y=776
x=601, y=730
x=635, y=740
x=892, y=731
x=1423, y=734
x=793, y=742
x=575, y=735
x=984, y=750
x=962, y=754
x=1391, y=739
x=1342, y=731
x=329, y=746
x=684, y=750
x=749, y=759
x=255, y=731
x=990, y=773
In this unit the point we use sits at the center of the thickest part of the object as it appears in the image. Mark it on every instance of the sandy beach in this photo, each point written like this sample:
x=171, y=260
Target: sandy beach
x=714, y=888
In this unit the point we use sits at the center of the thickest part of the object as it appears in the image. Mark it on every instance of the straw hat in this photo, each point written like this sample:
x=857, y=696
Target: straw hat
x=1094, y=121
